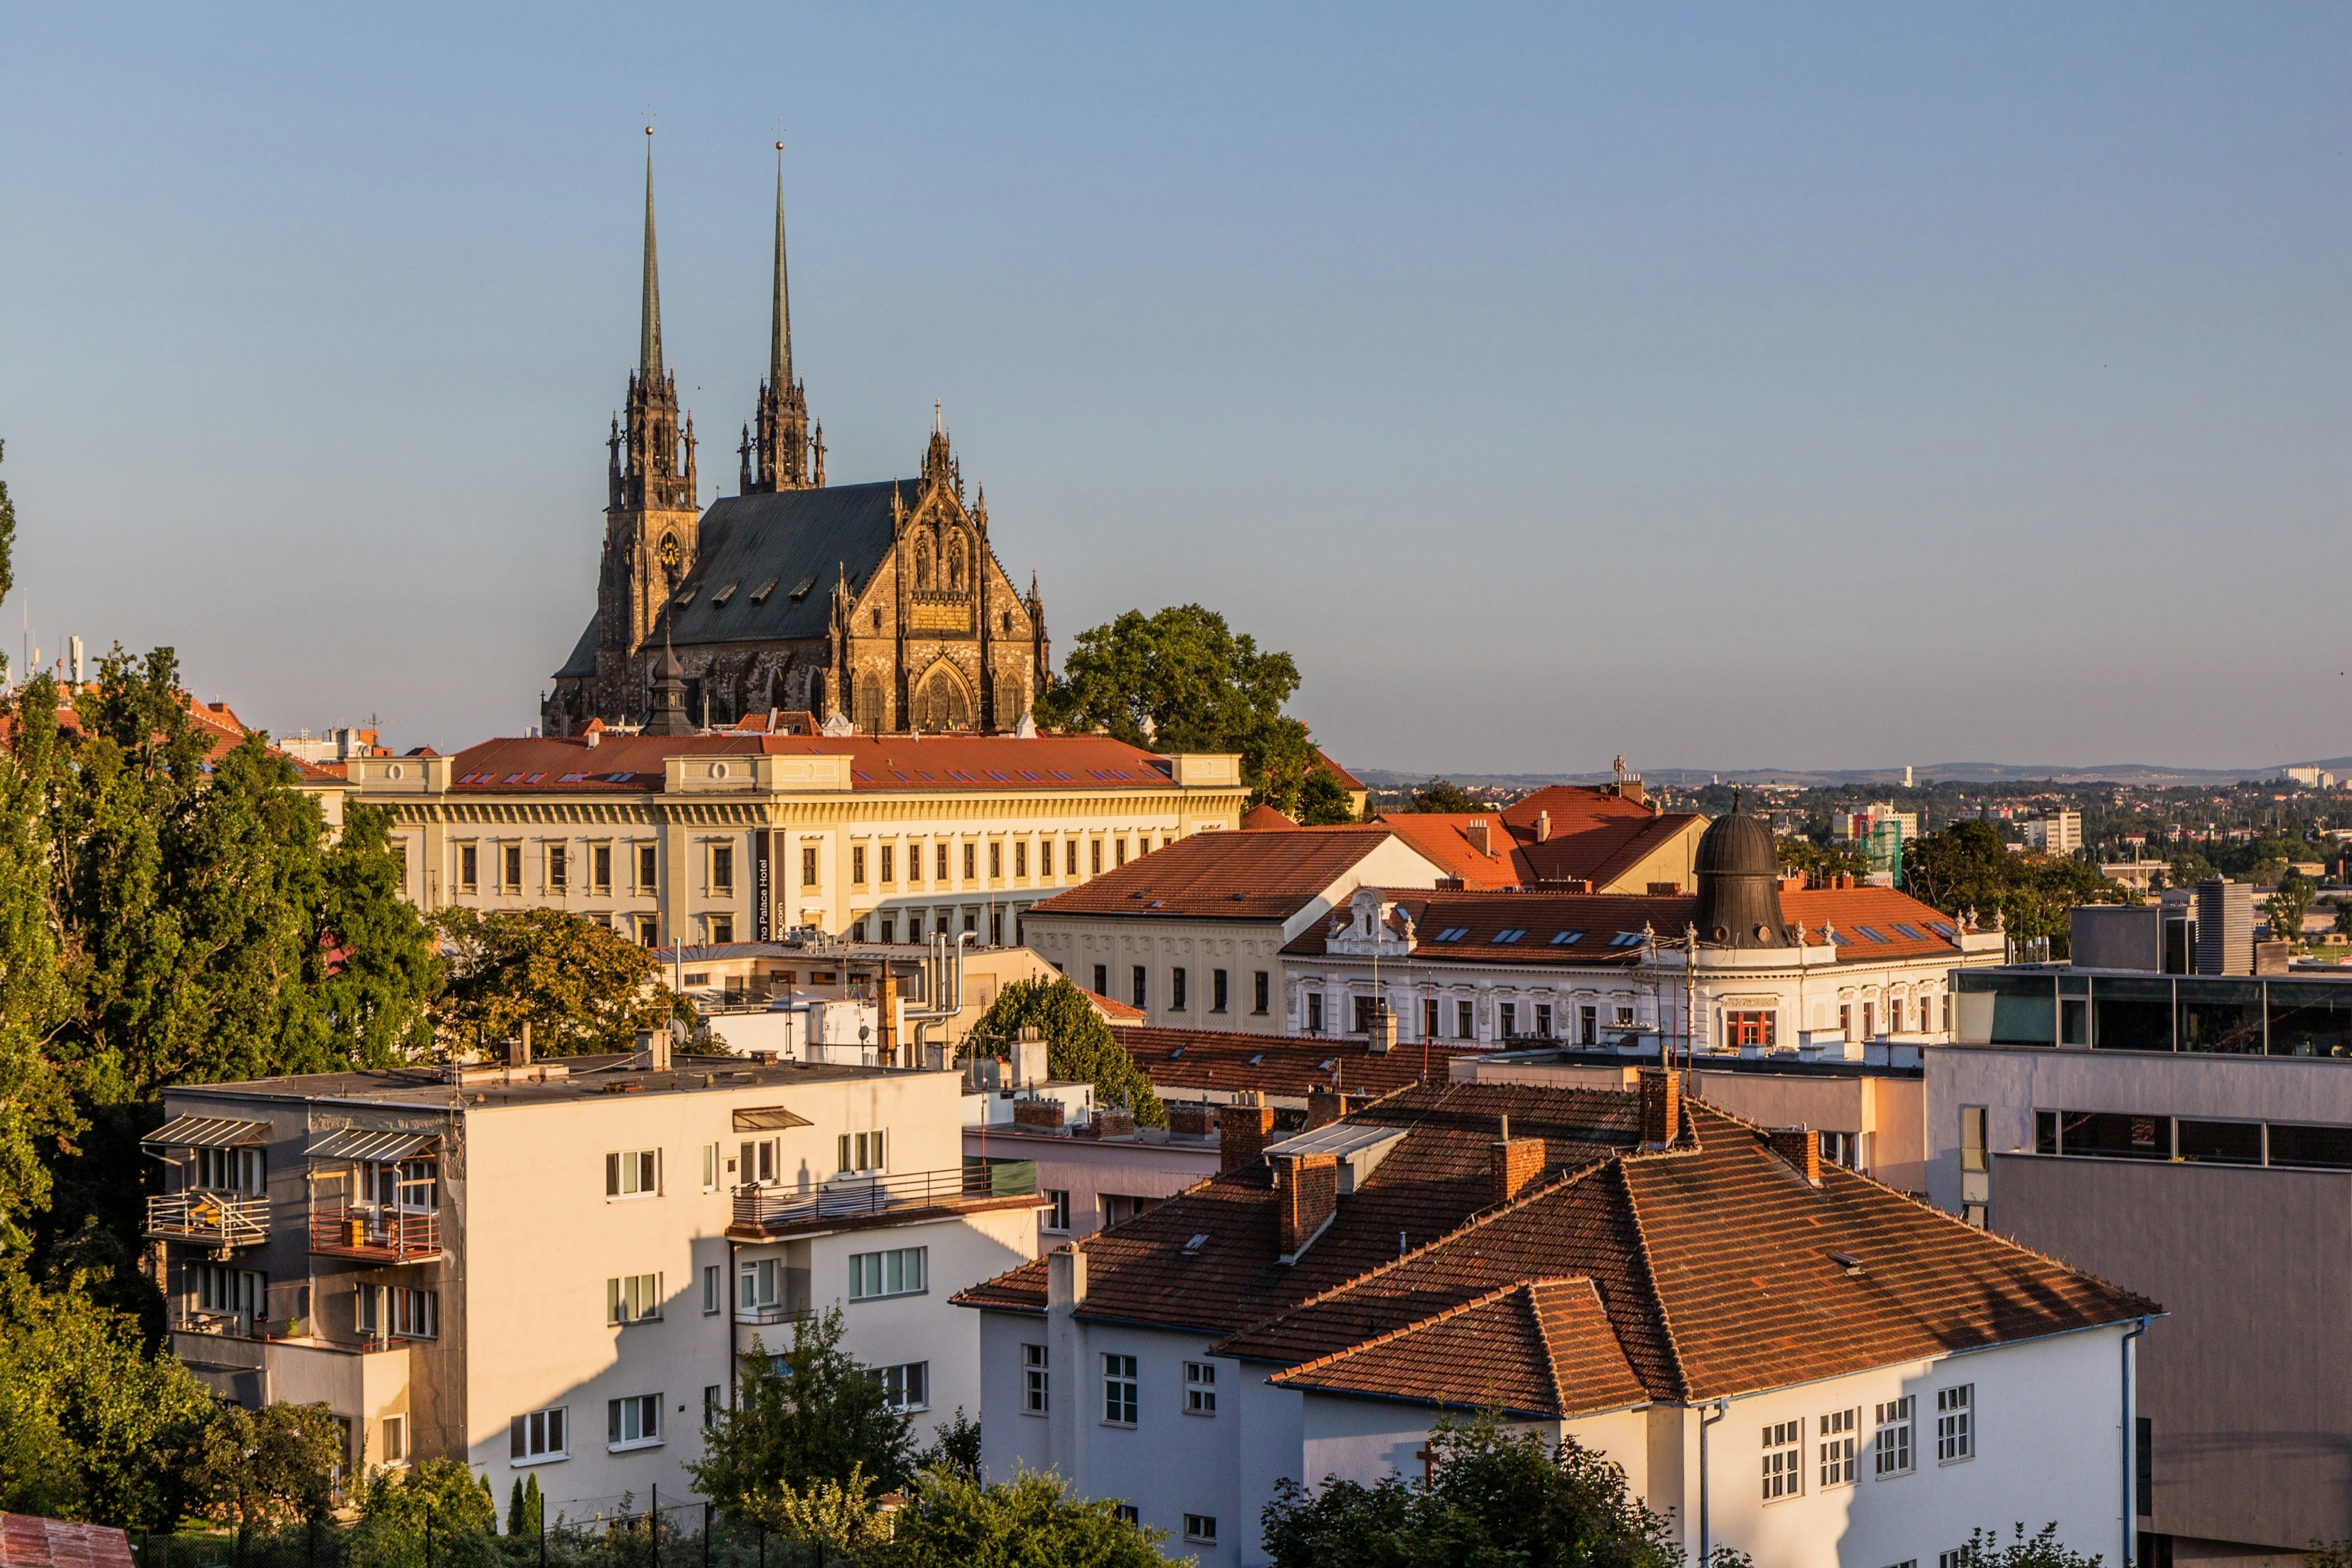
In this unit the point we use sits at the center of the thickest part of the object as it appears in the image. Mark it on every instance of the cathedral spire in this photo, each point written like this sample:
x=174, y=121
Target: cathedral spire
x=780, y=321
x=783, y=453
x=649, y=349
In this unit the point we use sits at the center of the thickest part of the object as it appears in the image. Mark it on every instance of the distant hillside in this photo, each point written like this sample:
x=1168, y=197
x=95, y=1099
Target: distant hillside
x=2149, y=773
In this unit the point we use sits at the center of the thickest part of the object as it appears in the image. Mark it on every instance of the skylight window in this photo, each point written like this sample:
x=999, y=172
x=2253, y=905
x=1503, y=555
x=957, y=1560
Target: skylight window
x=760, y=596
x=1032, y=778
x=685, y=598
x=1259, y=1059
x=801, y=592
x=1567, y=938
x=514, y=778
x=1626, y=939
x=1192, y=1248
x=1176, y=1053
x=1944, y=929
x=862, y=774
x=1508, y=935
x=999, y=778
x=1452, y=933
x=1327, y=1063
x=1914, y=932
x=617, y=778
x=571, y=778
x=1063, y=776
x=720, y=597
x=1872, y=933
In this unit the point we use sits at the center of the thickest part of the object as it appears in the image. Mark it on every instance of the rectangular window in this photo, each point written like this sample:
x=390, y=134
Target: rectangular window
x=537, y=1438
x=1102, y=979
x=995, y=859
x=1216, y=990
x=714, y=1400
x=714, y=1293
x=1783, y=1460
x=889, y=870
x=755, y=1283
x=1837, y=1439
x=395, y=1439
x=633, y=1422
x=709, y=1167
x=808, y=866
x=722, y=929
x=649, y=867
x=943, y=859
x=510, y=858
x=857, y=865
x=898, y=1272
x=758, y=1163
x=1200, y=1388
x=1095, y=855
x=1588, y=1026
x=1058, y=1218
x=1033, y=1380
x=1119, y=1402
x=600, y=868
x=1201, y=1529
x=971, y=862
x=559, y=865
x=246, y=1293
x=648, y=930
x=905, y=1387
x=1260, y=986
x=632, y=1175
x=1315, y=1012
x=1890, y=1448
x=1870, y=1020
x=1543, y=1020
x=1895, y=1014
x=1754, y=1028
x=1020, y=857
x=1138, y=988
x=1069, y=858
x=469, y=867
x=859, y=1153
x=232, y=1170
x=1118, y=851
x=633, y=1299
x=1429, y=1017
x=1507, y=1019
x=1176, y=989
x=1466, y=1021
x=1956, y=1435
x=722, y=868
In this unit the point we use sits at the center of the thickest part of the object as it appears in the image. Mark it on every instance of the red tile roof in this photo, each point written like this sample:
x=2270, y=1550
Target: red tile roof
x=635, y=763
x=1113, y=1010
x=1225, y=875
x=1860, y=917
x=1347, y=780
x=1285, y=1065
x=1593, y=835
x=1446, y=839
x=1716, y=1268
x=28, y=1541
x=1264, y=818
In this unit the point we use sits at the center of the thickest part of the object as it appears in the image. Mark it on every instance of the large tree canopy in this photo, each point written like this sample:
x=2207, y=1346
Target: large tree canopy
x=581, y=987
x=1967, y=868
x=808, y=1413
x=1079, y=1046
x=1183, y=680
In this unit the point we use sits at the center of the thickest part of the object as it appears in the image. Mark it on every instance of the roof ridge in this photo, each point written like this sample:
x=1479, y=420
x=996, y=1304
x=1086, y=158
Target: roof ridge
x=1543, y=1335
x=1442, y=1315
x=1649, y=1279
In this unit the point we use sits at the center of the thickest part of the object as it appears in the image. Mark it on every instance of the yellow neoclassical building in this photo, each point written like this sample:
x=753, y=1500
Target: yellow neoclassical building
x=732, y=837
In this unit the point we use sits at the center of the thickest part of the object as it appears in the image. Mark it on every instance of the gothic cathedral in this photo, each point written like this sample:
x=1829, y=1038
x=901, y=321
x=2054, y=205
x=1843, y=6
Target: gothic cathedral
x=877, y=606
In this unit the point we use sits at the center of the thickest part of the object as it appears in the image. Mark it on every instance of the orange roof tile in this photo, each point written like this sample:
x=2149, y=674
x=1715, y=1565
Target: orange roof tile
x=1264, y=818
x=28, y=1541
x=1225, y=875
x=635, y=763
x=1285, y=1065
x=1447, y=839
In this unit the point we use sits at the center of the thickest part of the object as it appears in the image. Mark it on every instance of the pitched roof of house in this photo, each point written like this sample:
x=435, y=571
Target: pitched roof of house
x=1716, y=1268
x=1347, y=781
x=634, y=762
x=28, y=1540
x=1284, y=1065
x=1870, y=925
x=1223, y=876
x=1446, y=839
x=1592, y=834
x=1264, y=818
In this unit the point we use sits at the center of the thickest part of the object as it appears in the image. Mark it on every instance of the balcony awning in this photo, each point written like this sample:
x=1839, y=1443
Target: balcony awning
x=206, y=1133
x=767, y=1119
x=348, y=1144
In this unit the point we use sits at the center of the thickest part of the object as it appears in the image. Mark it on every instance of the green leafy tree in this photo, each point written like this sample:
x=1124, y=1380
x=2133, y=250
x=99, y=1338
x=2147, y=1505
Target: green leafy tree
x=2287, y=907
x=956, y=1446
x=1493, y=1496
x=838, y=1519
x=1816, y=862
x=259, y=1468
x=1443, y=796
x=1079, y=1044
x=953, y=1519
x=526, y=1509
x=1323, y=800
x=439, y=1498
x=92, y=1427
x=371, y=961
x=1183, y=680
x=38, y=1117
x=581, y=987
x=809, y=1413
x=1966, y=868
x=2042, y=1549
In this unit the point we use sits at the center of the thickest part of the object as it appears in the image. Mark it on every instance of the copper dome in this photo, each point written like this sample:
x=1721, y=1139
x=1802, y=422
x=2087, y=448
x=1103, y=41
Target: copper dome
x=1738, y=870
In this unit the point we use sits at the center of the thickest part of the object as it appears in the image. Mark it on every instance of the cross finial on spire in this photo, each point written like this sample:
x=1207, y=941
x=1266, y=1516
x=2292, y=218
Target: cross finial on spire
x=937, y=426
x=649, y=345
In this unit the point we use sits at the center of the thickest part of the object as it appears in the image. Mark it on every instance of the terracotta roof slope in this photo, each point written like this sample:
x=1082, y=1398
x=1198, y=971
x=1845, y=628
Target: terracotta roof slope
x=28, y=1540
x=1553, y=928
x=635, y=763
x=1287, y=1065
x=1449, y=840
x=1871, y=924
x=1541, y=1347
x=1225, y=875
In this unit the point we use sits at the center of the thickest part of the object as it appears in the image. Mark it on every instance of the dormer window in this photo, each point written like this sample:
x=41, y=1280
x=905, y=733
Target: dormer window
x=718, y=599
x=685, y=598
x=801, y=592
x=760, y=596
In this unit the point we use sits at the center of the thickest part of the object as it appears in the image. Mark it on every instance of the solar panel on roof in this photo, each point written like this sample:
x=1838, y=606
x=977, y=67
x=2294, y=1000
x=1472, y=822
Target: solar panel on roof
x=1567, y=938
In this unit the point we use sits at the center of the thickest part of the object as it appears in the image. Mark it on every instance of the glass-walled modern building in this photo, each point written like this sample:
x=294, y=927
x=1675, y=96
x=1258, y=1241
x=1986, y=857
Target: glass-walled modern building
x=2297, y=1016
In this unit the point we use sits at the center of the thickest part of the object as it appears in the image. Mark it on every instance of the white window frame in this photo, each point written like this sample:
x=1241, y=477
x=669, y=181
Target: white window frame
x=1201, y=1529
x=1894, y=1445
x=910, y=1265
x=1037, y=1386
x=862, y=1154
x=1200, y=1388
x=906, y=1385
x=395, y=1429
x=1057, y=1217
x=631, y=1299
x=631, y=1174
x=1956, y=1424
x=647, y=1408
x=1838, y=1447
x=1122, y=1389
x=540, y=1437
x=714, y=1290
x=1783, y=1469
x=710, y=1167
x=758, y=1282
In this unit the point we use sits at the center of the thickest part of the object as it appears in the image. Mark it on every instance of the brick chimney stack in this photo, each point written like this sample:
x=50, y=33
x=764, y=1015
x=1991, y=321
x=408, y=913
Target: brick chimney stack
x=1516, y=1163
x=1308, y=1187
x=1324, y=1106
x=1474, y=830
x=1661, y=1108
x=1543, y=826
x=1801, y=1147
x=1244, y=1129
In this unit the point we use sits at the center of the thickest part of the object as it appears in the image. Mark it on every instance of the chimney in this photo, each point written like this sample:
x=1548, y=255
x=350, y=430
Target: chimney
x=1324, y=1106
x=655, y=1043
x=1243, y=1128
x=1384, y=1032
x=518, y=1049
x=1190, y=1119
x=1065, y=1278
x=1308, y=1188
x=1516, y=1163
x=1801, y=1148
x=1474, y=830
x=1029, y=1059
x=1543, y=826
x=1661, y=1108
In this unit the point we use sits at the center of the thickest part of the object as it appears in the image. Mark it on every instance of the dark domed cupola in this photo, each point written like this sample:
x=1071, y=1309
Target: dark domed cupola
x=1738, y=870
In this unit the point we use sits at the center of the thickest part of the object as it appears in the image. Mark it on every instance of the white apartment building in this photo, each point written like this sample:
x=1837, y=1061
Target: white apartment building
x=726, y=837
x=2055, y=832
x=1785, y=1357
x=551, y=1267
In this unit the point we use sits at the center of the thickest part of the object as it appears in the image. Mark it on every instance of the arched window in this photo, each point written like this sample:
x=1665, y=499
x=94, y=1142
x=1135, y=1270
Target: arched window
x=869, y=715
x=943, y=701
x=1008, y=702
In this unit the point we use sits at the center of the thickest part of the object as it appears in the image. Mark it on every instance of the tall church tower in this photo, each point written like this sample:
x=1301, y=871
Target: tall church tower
x=652, y=519
x=781, y=450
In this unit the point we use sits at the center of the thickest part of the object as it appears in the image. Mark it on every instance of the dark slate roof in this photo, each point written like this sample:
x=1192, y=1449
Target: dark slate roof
x=786, y=539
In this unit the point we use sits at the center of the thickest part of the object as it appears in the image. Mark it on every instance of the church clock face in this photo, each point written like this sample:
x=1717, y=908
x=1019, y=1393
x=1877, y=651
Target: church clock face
x=670, y=555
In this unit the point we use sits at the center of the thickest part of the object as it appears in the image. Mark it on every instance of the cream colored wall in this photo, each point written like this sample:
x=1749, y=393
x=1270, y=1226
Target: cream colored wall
x=1674, y=861
x=808, y=803
x=1076, y=943
x=541, y=1239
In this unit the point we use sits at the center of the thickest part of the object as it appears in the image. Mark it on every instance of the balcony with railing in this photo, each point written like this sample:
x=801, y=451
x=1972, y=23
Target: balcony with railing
x=373, y=1233
x=210, y=1219
x=762, y=1213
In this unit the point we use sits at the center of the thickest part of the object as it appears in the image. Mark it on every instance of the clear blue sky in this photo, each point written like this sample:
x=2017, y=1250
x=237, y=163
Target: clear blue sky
x=1761, y=385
